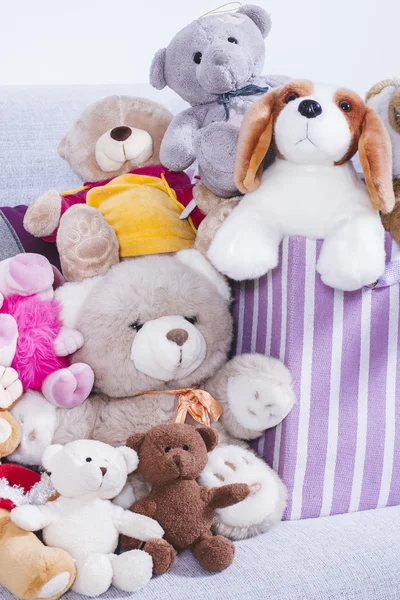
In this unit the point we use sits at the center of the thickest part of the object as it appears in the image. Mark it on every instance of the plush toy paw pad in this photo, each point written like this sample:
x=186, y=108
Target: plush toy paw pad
x=93, y=575
x=242, y=253
x=5, y=430
x=8, y=330
x=11, y=388
x=68, y=341
x=87, y=243
x=259, y=404
x=215, y=553
x=266, y=502
x=352, y=257
x=163, y=555
x=31, y=273
x=68, y=388
x=132, y=570
x=55, y=587
x=43, y=215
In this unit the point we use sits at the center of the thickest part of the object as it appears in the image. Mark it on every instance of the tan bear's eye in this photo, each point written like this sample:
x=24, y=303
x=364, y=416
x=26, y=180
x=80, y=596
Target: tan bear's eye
x=136, y=326
x=192, y=320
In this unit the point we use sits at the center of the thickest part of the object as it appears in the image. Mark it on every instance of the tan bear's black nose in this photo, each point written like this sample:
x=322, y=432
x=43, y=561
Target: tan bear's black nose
x=179, y=336
x=103, y=470
x=120, y=134
x=177, y=459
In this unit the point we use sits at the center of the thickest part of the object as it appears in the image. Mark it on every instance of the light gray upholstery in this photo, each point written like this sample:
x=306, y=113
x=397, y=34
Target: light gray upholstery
x=348, y=557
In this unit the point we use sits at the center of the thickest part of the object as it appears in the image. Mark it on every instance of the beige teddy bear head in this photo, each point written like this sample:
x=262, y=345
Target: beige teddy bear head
x=114, y=136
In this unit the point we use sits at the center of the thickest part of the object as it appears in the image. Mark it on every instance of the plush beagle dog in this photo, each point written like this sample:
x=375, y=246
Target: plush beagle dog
x=312, y=189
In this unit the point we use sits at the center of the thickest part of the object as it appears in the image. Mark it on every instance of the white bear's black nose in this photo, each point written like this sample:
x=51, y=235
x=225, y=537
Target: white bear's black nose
x=178, y=336
x=310, y=109
x=120, y=134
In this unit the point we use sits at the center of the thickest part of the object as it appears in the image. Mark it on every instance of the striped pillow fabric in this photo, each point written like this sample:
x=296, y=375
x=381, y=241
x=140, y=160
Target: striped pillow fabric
x=338, y=450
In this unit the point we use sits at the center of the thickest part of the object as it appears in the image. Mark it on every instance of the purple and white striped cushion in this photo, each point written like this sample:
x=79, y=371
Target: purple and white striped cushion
x=339, y=449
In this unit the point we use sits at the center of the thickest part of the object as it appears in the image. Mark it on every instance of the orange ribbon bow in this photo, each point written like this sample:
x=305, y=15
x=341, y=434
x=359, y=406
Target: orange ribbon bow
x=198, y=403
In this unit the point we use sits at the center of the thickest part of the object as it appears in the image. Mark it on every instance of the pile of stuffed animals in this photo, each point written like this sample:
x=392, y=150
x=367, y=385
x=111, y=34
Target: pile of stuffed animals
x=116, y=384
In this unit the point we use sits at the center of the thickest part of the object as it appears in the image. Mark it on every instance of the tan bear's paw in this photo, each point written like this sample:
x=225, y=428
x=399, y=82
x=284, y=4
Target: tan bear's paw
x=87, y=244
x=10, y=434
x=11, y=388
x=43, y=215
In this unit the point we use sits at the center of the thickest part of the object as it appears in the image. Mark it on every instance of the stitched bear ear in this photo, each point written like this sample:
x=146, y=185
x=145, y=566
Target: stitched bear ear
x=196, y=261
x=135, y=441
x=157, y=77
x=260, y=17
x=131, y=458
x=210, y=437
x=49, y=455
x=61, y=147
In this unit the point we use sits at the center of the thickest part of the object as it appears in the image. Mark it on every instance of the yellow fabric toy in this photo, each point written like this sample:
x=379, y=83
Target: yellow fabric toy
x=144, y=213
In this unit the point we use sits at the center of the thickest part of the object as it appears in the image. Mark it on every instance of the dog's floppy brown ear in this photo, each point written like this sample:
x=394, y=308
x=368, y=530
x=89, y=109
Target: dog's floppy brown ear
x=135, y=441
x=375, y=151
x=254, y=140
x=210, y=437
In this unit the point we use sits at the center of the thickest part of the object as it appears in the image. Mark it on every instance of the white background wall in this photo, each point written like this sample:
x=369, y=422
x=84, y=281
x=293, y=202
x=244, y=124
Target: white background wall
x=349, y=42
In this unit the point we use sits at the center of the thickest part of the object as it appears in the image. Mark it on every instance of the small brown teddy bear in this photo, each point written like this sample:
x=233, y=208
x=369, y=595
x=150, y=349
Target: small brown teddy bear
x=171, y=457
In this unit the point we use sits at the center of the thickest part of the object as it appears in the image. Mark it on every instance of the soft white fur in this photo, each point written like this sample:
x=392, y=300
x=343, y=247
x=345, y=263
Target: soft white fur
x=257, y=405
x=306, y=195
x=83, y=520
x=267, y=501
x=380, y=102
x=112, y=154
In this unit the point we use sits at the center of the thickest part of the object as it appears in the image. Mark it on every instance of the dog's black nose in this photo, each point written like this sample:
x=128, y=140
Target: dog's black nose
x=310, y=109
x=120, y=134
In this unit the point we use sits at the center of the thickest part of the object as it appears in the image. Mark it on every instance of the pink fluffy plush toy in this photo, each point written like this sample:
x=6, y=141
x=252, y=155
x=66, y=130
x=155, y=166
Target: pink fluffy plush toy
x=32, y=337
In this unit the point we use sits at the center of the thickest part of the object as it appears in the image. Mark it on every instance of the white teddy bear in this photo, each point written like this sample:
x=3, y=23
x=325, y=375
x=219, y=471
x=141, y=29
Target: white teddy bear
x=83, y=521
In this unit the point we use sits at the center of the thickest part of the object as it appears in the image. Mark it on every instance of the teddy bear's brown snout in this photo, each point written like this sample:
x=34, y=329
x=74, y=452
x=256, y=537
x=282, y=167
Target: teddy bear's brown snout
x=182, y=463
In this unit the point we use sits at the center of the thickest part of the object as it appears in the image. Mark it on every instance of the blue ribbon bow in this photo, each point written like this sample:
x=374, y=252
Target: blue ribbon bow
x=247, y=90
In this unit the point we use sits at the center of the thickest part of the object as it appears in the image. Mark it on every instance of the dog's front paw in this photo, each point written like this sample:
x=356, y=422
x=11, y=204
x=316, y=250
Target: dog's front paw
x=243, y=254
x=353, y=257
x=266, y=502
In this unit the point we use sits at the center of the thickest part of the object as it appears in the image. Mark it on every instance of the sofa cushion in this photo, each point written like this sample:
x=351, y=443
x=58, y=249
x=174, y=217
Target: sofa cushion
x=345, y=557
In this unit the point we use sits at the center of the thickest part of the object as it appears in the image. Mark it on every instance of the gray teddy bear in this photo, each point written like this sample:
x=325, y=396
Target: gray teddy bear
x=215, y=64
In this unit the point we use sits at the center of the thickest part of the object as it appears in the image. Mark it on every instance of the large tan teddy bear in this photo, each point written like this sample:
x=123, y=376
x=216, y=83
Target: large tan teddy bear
x=155, y=328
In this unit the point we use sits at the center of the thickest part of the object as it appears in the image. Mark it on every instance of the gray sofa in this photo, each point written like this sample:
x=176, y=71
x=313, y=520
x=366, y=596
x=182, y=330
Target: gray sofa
x=347, y=557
